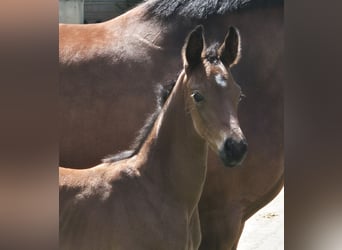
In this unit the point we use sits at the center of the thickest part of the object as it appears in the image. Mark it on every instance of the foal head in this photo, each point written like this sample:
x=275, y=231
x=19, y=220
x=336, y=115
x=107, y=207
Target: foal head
x=212, y=95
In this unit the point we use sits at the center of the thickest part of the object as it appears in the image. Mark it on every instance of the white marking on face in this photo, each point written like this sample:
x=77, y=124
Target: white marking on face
x=234, y=124
x=220, y=80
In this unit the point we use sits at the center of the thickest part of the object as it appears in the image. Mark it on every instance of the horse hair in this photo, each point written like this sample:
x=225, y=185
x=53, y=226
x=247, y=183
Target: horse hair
x=199, y=9
x=162, y=93
x=212, y=53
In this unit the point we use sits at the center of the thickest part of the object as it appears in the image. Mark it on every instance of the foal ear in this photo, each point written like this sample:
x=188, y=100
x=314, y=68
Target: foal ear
x=193, y=47
x=229, y=51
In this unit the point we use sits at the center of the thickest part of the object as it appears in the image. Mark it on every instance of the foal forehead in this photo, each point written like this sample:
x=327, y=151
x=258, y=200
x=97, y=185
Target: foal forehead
x=216, y=68
x=218, y=73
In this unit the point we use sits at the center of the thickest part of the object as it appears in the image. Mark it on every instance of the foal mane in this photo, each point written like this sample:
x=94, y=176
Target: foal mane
x=162, y=93
x=199, y=9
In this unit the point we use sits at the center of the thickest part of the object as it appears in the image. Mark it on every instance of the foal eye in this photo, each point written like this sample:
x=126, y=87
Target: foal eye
x=242, y=96
x=197, y=97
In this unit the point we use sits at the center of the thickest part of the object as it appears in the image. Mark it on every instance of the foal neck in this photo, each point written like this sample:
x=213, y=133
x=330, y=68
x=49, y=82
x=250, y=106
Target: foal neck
x=175, y=154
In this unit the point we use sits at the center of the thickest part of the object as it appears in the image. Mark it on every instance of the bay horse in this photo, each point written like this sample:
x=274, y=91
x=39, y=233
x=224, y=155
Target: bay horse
x=108, y=70
x=148, y=200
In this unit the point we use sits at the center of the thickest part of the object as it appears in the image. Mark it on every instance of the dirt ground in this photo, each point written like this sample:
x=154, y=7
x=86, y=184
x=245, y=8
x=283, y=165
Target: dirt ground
x=265, y=229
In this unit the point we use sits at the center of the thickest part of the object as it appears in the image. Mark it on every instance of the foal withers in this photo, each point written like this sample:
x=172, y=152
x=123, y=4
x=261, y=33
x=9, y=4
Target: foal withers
x=149, y=200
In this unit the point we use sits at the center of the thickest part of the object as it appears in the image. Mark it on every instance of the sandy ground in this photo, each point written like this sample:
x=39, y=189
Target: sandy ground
x=265, y=229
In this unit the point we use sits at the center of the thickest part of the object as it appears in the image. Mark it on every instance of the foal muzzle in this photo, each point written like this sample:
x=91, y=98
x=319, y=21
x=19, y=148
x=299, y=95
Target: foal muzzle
x=233, y=152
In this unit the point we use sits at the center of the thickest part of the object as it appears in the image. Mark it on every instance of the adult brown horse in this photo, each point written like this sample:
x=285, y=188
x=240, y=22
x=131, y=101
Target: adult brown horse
x=108, y=70
x=149, y=200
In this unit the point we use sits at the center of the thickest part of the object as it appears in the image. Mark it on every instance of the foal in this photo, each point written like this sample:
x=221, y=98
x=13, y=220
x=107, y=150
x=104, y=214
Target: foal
x=149, y=200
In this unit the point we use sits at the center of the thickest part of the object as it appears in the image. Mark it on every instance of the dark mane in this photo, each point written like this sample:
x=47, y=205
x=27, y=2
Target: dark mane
x=162, y=92
x=211, y=53
x=199, y=9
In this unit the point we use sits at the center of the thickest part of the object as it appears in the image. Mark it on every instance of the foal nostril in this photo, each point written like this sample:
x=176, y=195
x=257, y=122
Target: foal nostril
x=229, y=147
x=233, y=147
x=243, y=146
x=233, y=152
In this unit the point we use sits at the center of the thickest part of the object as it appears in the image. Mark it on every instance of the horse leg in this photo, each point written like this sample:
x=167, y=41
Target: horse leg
x=250, y=211
x=236, y=228
x=222, y=233
x=242, y=225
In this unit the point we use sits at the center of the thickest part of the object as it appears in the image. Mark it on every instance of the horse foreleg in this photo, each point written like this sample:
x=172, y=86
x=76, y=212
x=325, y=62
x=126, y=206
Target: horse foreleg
x=242, y=224
x=221, y=229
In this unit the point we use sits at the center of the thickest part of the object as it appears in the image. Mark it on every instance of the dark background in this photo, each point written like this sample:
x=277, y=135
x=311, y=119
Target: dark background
x=29, y=125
